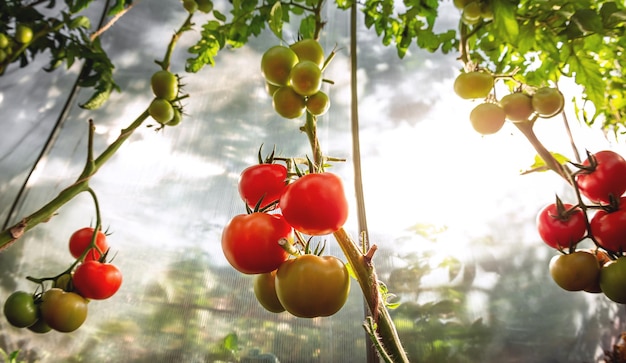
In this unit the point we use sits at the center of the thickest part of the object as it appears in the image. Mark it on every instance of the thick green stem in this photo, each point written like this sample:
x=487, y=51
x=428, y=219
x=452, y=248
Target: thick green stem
x=364, y=269
x=11, y=234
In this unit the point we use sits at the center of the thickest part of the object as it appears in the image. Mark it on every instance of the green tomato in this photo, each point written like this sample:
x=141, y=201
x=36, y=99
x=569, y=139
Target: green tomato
x=40, y=327
x=309, y=49
x=288, y=103
x=547, y=102
x=471, y=13
x=190, y=5
x=4, y=41
x=161, y=110
x=63, y=311
x=23, y=34
x=276, y=64
x=20, y=309
x=265, y=292
x=3, y=55
x=517, y=106
x=178, y=117
x=164, y=85
x=318, y=103
x=472, y=85
x=613, y=280
x=205, y=6
x=306, y=78
x=309, y=286
x=575, y=271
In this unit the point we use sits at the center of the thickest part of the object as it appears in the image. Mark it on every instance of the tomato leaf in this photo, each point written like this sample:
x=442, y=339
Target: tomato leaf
x=505, y=21
x=276, y=20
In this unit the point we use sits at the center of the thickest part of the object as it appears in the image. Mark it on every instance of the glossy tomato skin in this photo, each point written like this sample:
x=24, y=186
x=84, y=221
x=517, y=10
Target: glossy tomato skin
x=96, y=280
x=265, y=181
x=20, y=309
x=81, y=239
x=63, y=311
x=265, y=292
x=250, y=242
x=315, y=204
x=310, y=286
x=576, y=271
x=608, y=178
x=613, y=280
x=561, y=233
x=609, y=228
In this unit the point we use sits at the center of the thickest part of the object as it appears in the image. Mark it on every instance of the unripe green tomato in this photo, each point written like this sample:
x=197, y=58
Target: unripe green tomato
x=276, y=64
x=318, y=103
x=548, y=102
x=613, y=280
x=309, y=49
x=23, y=34
x=460, y=4
x=265, y=292
x=164, y=85
x=63, y=311
x=471, y=13
x=3, y=56
x=4, y=41
x=205, y=6
x=288, y=103
x=517, y=106
x=161, y=110
x=306, y=78
x=190, y=5
x=80, y=22
x=20, y=309
x=178, y=117
x=471, y=85
x=40, y=327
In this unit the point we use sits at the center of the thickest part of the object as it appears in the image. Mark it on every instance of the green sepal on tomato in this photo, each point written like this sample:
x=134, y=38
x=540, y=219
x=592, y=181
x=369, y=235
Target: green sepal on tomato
x=97, y=280
x=315, y=204
x=310, y=286
x=250, y=242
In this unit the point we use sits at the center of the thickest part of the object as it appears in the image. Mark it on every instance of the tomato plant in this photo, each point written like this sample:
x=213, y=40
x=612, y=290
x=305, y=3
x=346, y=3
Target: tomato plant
x=603, y=176
x=63, y=311
x=250, y=242
x=547, y=102
x=20, y=309
x=609, y=227
x=472, y=85
x=265, y=292
x=561, y=226
x=487, y=118
x=315, y=204
x=310, y=50
x=309, y=286
x=97, y=280
x=575, y=271
x=262, y=181
x=81, y=241
x=613, y=280
x=164, y=85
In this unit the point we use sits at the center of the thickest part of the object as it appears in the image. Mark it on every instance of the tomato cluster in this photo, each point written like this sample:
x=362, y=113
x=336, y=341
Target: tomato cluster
x=164, y=109
x=489, y=117
x=22, y=35
x=293, y=78
x=474, y=12
x=601, y=218
x=63, y=307
x=269, y=241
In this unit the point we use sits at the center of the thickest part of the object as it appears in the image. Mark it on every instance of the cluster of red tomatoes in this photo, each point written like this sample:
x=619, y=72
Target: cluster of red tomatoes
x=269, y=241
x=601, y=180
x=63, y=307
x=489, y=117
x=293, y=78
x=163, y=107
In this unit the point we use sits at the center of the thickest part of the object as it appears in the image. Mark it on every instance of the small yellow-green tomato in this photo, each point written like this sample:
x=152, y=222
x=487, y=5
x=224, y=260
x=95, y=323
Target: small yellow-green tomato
x=517, y=106
x=164, y=85
x=318, y=103
x=288, y=103
x=265, y=292
x=161, y=110
x=205, y=6
x=276, y=64
x=548, y=102
x=309, y=49
x=190, y=5
x=4, y=41
x=23, y=34
x=178, y=117
x=306, y=78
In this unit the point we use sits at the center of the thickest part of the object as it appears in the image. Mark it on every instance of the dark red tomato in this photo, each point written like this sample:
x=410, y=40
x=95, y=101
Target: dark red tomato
x=81, y=240
x=561, y=231
x=265, y=181
x=250, y=242
x=609, y=228
x=608, y=178
x=315, y=204
x=97, y=280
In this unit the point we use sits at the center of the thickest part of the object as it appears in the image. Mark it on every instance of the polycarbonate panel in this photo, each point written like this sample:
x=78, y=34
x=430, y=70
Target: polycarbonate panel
x=447, y=208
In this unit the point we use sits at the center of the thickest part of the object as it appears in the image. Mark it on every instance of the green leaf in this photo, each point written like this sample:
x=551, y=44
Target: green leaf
x=276, y=20
x=119, y=6
x=587, y=20
x=98, y=98
x=231, y=343
x=540, y=164
x=588, y=74
x=505, y=20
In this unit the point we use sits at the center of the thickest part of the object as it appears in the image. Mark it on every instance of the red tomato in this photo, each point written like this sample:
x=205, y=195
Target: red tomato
x=315, y=204
x=250, y=242
x=81, y=239
x=609, y=228
x=561, y=231
x=97, y=280
x=265, y=181
x=608, y=178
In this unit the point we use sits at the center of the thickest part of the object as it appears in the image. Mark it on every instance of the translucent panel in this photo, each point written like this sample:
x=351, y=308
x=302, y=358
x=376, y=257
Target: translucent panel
x=451, y=216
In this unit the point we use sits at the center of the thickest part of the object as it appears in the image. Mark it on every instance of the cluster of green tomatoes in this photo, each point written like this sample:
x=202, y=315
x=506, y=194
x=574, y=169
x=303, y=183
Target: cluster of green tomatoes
x=8, y=43
x=294, y=79
x=164, y=108
x=63, y=306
